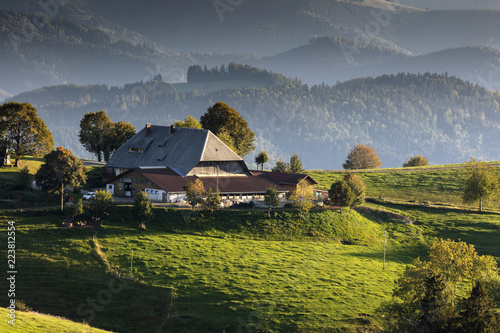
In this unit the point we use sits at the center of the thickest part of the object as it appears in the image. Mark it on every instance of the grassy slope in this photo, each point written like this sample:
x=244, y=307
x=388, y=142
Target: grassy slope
x=219, y=281
x=29, y=322
x=435, y=186
x=230, y=269
x=9, y=173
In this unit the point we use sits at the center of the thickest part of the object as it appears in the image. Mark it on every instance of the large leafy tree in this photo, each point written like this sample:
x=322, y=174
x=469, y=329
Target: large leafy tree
x=100, y=136
x=348, y=192
x=119, y=133
x=362, y=157
x=261, y=159
x=23, y=132
x=221, y=117
x=94, y=130
x=61, y=169
x=480, y=185
x=143, y=209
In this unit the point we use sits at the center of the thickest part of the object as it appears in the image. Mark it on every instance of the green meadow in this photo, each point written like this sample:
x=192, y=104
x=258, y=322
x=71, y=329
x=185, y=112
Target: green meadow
x=440, y=185
x=239, y=270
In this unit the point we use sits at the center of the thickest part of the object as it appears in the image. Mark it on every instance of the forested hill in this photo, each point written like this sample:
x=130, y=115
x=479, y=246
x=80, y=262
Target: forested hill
x=444, y=118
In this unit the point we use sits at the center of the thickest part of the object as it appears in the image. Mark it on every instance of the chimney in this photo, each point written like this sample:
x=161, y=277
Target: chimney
x=172, y=129
x=148, y=129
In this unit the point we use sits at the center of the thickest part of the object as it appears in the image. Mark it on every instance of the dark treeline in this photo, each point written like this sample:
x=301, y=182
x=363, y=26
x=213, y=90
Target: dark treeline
x=441, y=117
x=234, y=71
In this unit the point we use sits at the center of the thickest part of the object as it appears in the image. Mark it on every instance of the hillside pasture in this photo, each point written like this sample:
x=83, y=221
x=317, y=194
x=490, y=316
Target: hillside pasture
x=427, y=185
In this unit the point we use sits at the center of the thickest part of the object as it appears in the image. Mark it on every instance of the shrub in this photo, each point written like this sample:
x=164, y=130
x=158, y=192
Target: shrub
x=418, y=160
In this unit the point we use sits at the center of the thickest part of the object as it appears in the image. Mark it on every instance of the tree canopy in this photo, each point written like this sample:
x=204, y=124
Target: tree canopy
x=189, y=122
x=100, y=136
x=262, y=159
x=221, y=117
x=61, y=169
x=271, y=199
x=119, y=133
x=303, y=197
x=481, y=183
x=94, y=128
x=143, y=209
x=362, y=157
x=348, y=192
x=427, y=292
x=23, y=132
x=295, y=165
x=195, y=192
x=101, y=204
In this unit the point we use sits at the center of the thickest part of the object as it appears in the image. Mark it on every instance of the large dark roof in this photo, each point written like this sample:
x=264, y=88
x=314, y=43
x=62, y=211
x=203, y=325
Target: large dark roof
x=181, y=149
x=171, y=182
x=282, y=178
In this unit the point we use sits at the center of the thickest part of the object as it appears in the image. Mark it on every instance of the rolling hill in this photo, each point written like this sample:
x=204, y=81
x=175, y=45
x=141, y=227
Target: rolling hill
x=443, y=117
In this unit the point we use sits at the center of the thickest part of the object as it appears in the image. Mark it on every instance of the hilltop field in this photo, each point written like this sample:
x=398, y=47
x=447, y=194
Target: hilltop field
x=240, y=269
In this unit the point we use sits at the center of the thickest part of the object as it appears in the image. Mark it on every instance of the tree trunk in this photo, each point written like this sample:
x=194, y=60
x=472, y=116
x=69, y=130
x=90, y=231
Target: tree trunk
x=480, y=205
x=99, y=156
x=62, y=197
x=16, y=163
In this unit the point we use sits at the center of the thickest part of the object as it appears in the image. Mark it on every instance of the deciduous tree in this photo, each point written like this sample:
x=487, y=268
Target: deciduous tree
x=119, y=133
x=362, y=157
x=303, y=197
x=189, y=122
x=143, y=209
x=212, y=200
x=348, y=192
x=262, y=159
x=23, y=132
x=94, y=130
x=61, y=169
x=220, y=117
x=480, y=185
x=427, y=292
x=100, y=205
x=195, y=192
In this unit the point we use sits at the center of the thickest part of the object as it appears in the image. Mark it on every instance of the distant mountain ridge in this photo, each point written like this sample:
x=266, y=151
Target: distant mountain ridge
x=115, y=42
x=332, y=59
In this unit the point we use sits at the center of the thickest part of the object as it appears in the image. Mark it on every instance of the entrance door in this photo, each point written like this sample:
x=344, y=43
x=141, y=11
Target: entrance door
x=111, y=189
x=128, y=189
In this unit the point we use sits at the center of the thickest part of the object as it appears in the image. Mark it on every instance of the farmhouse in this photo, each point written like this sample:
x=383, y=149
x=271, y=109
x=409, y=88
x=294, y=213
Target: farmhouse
x=161, y=160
